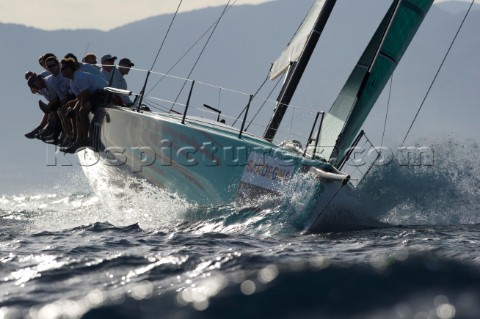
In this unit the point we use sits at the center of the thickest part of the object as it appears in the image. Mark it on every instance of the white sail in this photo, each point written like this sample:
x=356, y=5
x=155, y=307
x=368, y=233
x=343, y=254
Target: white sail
x=295, y=48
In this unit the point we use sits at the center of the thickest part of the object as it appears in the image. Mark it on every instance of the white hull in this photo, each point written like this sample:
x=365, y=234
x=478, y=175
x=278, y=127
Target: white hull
x=205, y=163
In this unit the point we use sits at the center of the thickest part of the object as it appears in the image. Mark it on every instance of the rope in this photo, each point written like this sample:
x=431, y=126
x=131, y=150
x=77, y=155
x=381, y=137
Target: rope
x=438, y=71
x=203, y=49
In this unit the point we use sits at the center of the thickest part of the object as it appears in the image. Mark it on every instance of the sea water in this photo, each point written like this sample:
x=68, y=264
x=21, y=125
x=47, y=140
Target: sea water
x=138, y=252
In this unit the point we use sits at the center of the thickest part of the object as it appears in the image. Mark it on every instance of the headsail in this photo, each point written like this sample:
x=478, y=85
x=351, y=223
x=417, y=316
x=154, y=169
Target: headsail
x=369, y=77
x=296, y=46
x=295, y=59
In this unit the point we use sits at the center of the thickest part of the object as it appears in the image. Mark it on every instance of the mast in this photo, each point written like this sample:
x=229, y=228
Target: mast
x=367, y=80
x=296, y=67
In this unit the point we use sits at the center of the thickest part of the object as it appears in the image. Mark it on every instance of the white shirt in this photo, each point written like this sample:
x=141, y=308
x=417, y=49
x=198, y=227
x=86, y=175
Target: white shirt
x=118, y=81
x=115, y=80
x=44, y=74
x=83, y=81
x=122, y=84
x=58, y=84
x=89, y=68
x=48, y=94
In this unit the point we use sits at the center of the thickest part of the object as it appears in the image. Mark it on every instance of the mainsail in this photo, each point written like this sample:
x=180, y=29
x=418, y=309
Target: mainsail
x=295, y=59
x=372, y=72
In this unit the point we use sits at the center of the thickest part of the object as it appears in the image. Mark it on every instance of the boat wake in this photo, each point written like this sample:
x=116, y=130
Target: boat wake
x=445, y=193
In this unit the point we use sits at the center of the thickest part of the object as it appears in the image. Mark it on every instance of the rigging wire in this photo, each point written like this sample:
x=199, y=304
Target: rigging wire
x=329, y=201
x=264, y=102
x=142, y=92
x=203, y=49
x=156, y=105
x=166, y=35
x=86, y=49
x=438, y=71
x=254, y=95
x=261, y=86
x=185, y=54
x=386, y=114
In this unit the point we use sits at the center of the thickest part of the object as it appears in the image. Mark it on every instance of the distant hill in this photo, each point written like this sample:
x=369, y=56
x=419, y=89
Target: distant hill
x=247, y=40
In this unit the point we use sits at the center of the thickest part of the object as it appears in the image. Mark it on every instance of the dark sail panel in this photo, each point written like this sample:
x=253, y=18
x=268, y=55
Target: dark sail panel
x=371, y=74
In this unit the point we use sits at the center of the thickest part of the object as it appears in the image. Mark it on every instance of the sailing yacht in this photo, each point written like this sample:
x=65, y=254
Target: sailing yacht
x=209, y=163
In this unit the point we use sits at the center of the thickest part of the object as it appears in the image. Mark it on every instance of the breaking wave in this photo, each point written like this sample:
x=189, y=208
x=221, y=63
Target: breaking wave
x=442, y=192
x=445, y=193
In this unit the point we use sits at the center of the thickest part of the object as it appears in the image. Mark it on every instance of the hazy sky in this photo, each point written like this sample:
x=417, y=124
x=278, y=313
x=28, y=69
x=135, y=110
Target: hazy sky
x=95, y=14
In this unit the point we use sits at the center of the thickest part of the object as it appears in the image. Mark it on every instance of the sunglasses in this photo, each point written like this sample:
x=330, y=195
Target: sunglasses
x=51, y=66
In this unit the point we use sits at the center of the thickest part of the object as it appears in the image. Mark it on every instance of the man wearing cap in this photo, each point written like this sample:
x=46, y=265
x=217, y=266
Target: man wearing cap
x=90, y=58
x=41, y=60
x=108, y=69
x=124, y=66
x=84, y=67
